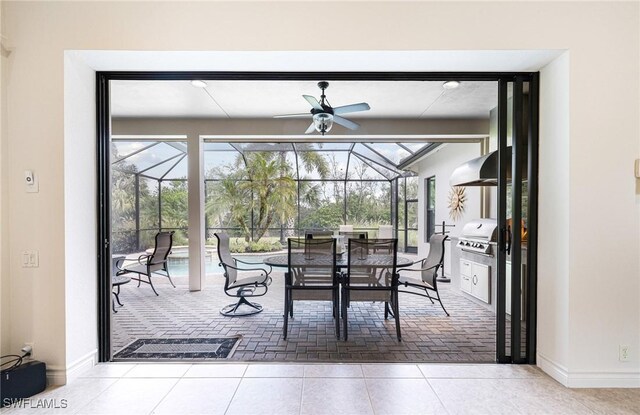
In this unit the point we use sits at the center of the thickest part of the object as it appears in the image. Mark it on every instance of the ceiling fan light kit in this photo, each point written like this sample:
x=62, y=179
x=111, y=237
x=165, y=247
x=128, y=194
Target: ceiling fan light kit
x=324, y=115
x=451, y=84
x=323, y=122
x=198, y=83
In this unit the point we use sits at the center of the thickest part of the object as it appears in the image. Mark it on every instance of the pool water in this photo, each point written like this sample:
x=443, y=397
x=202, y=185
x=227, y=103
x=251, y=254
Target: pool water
x=180, y=267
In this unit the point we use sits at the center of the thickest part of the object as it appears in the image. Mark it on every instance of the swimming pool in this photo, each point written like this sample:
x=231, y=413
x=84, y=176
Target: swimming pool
x=179, y=267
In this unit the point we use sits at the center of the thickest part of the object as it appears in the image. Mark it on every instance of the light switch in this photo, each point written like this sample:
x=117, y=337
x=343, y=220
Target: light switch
x=30, y=259
x=34, y=260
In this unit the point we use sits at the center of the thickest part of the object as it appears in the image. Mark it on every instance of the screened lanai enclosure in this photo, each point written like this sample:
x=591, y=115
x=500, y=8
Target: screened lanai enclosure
x=263, y=193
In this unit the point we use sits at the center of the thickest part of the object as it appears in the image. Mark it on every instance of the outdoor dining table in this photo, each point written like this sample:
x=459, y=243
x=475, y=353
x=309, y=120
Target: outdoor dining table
x=371, y=260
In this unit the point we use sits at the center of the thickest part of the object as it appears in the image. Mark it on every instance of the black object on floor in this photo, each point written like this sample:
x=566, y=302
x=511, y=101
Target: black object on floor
x=177, y=349
x=22, y=382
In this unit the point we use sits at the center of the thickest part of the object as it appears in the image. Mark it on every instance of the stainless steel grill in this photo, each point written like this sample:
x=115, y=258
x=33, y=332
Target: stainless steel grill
x=478, y=236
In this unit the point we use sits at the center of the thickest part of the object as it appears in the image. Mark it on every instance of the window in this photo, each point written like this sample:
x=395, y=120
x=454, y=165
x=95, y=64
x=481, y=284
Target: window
x=430, y=204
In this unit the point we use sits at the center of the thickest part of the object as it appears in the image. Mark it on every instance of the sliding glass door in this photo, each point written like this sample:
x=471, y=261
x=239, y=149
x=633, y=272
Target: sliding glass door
x=517, y=218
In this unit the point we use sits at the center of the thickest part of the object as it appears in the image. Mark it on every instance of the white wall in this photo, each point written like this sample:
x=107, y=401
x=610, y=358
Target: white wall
x=602, y=138
x=553, y=218
x=441, y=164
x=5, y=309
x=80, y=241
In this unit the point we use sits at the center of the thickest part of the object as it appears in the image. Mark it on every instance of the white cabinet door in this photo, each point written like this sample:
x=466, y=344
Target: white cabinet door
x=465, y=283
x=465, y=276
x=480, y=281
x=465, y=267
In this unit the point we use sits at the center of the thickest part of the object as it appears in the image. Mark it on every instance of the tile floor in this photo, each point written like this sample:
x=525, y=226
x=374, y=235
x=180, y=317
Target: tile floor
x=428, y=335
x=256, y=388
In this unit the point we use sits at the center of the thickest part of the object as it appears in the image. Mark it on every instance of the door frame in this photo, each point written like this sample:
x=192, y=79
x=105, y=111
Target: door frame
x=103, y=164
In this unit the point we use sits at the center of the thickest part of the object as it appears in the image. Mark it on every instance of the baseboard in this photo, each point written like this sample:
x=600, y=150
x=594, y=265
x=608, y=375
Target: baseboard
x=57, y=375
x=553, y=369
x=588, y=379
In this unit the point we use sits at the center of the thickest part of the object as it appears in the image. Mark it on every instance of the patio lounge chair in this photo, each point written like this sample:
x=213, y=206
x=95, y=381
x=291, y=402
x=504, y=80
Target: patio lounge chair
x=428, y=270
x=253, y=286
x=154, y=264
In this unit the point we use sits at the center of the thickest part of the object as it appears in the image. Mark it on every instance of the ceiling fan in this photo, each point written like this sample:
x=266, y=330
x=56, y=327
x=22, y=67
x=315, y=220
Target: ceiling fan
x=324, y=115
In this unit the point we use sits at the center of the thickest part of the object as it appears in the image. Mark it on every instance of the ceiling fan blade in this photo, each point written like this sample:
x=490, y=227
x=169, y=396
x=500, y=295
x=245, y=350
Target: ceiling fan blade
x=313, y=101
x=363, y=106
x=345, y=122
x=311, y=129
x=303, y=115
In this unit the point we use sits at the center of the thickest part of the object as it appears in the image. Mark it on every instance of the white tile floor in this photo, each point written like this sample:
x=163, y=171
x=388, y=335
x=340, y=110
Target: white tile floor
x=224, y=388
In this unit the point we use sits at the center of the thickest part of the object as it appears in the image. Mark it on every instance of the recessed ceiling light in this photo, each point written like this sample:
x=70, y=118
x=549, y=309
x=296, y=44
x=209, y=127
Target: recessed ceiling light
x=199, y=84
x=451, y=84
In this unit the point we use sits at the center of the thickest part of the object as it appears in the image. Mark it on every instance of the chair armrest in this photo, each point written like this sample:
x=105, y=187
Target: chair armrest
x=119, y=263
x=419, y=269
x=256, y=263
x=141, y=257
x=247, y=269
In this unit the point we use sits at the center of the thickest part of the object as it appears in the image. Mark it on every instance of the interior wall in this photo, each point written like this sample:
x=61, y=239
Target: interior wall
x=5, y=308
x=553, y=217
x=603, y=133
x=81, y=282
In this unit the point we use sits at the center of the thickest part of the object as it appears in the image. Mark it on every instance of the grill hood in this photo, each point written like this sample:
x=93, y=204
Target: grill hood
x=481, y=171
x=481, y=229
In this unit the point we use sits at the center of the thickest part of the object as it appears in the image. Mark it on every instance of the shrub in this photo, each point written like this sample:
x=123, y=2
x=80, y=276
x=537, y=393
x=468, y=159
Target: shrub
x=240, y=246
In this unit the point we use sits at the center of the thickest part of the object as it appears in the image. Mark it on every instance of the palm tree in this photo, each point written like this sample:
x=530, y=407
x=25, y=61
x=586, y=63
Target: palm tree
x=273, y=188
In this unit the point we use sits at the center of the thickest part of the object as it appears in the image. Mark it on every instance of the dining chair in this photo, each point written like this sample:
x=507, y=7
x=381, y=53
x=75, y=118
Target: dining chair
x=427, y=279
x=371, y=276
x=311, y=276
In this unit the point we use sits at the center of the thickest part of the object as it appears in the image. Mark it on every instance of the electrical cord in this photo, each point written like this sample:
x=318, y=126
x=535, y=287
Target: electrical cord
x=17, y=361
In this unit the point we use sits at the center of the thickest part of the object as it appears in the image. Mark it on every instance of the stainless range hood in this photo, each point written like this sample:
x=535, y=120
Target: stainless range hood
x=481, y=171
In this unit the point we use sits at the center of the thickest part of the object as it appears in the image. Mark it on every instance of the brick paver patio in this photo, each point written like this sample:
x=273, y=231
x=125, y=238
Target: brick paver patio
x=428, y=335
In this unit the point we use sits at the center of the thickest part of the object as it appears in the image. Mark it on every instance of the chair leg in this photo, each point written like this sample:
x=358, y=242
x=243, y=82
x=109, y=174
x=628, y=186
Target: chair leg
x=442, y=305
x=117, y=295
x=230, y=310
x=336, y=311
x=285, y=326
x=169, y=276
x=113, y=306
x=396, y=312
x=427, y=292
x=344, y=315
x=151, y=284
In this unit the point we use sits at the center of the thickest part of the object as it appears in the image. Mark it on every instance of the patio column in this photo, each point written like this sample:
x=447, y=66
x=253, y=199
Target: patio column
x=196, y=231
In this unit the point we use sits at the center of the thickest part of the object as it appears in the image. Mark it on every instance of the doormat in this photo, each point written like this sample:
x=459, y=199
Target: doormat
x=180, y=348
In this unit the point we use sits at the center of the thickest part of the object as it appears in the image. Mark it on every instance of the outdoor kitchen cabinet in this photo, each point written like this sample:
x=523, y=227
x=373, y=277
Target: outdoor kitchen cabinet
x=475, y=279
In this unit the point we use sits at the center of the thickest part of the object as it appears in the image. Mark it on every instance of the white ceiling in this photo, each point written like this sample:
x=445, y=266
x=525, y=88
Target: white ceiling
x=264, y=99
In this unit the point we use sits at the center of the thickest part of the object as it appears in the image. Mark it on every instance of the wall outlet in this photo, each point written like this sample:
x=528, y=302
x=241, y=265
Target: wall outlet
x=26, y=347
x=624, y=353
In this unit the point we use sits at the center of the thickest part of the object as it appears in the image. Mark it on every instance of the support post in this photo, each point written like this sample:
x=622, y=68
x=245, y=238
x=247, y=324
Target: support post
x=196, y=232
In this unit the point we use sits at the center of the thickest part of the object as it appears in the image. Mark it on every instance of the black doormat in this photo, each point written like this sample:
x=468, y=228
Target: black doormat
x=177, y=349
